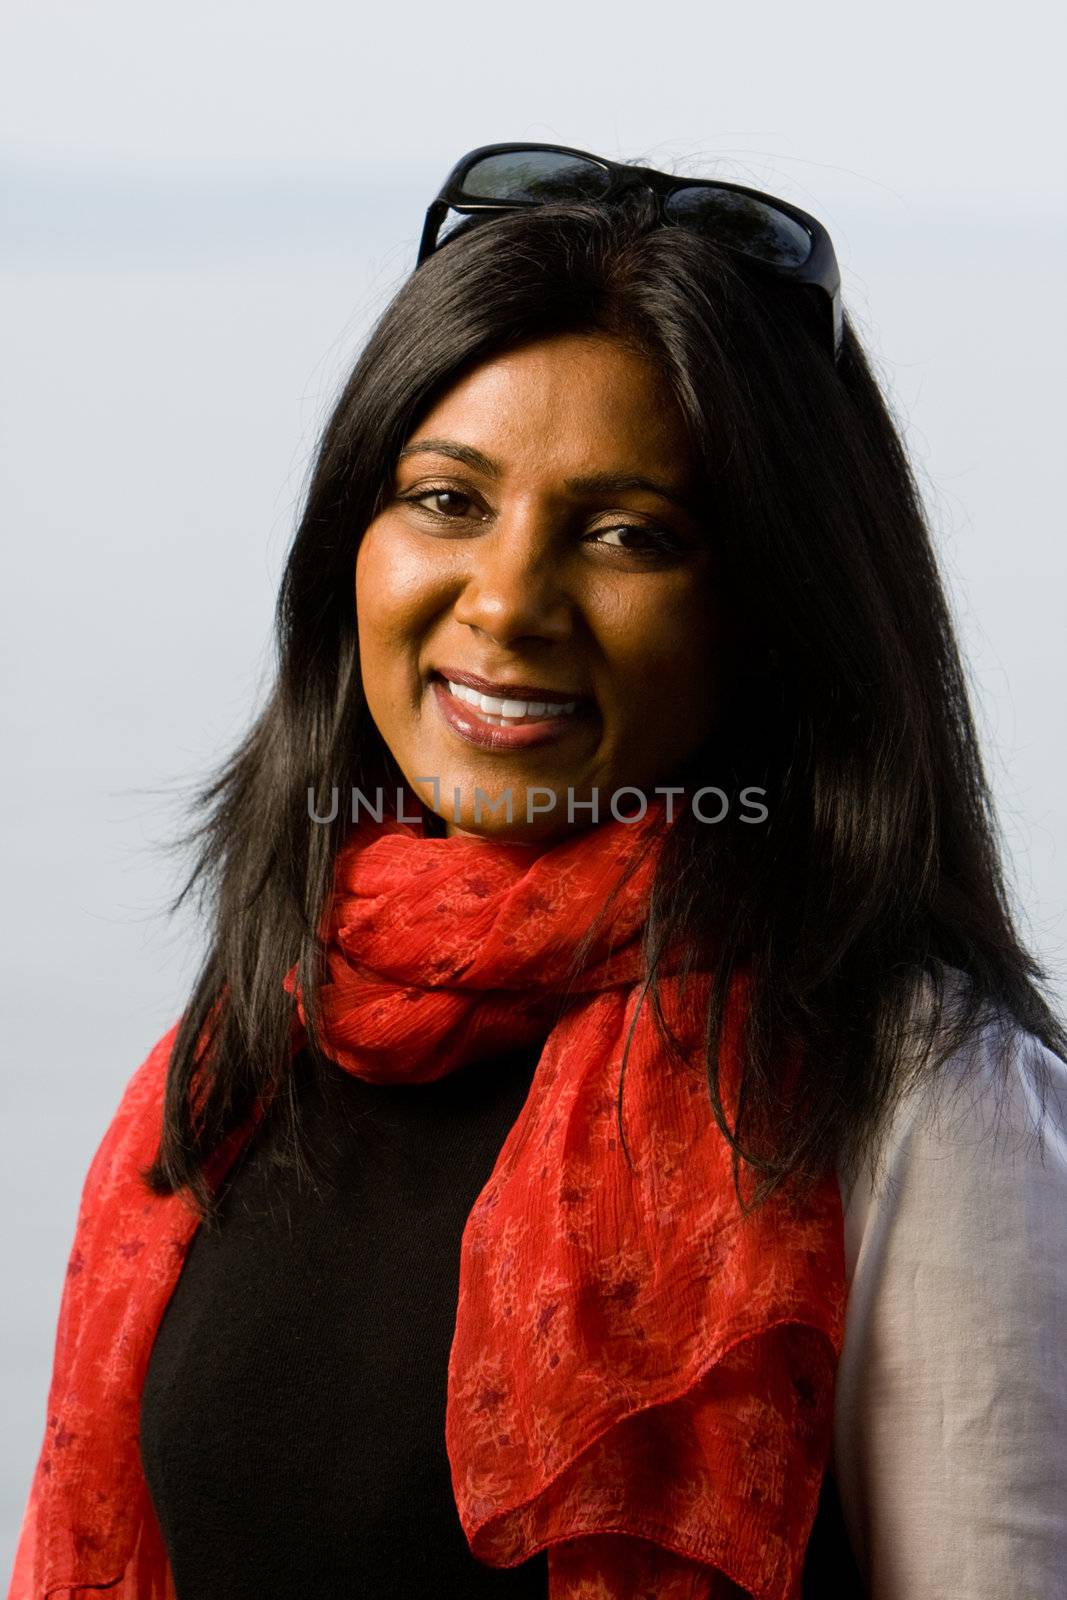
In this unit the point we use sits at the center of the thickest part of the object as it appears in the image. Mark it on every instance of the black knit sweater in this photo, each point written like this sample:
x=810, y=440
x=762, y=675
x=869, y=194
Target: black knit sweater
x=292, y=1418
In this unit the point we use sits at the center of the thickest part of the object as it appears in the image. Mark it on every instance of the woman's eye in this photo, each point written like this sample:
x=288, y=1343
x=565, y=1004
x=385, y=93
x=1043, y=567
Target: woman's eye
x=634, y=538
x=444, y=502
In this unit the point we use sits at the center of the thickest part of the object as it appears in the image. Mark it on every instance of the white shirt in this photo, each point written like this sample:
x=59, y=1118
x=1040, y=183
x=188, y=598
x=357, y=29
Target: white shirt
x=950, y=1422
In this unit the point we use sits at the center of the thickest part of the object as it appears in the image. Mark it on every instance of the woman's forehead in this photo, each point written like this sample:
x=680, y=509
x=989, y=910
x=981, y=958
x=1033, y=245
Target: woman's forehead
x=576, y=404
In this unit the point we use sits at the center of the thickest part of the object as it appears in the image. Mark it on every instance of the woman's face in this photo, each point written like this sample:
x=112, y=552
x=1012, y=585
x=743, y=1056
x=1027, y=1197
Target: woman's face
x=544, y=544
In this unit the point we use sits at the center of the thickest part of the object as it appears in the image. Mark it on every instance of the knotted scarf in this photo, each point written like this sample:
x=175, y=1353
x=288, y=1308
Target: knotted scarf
x=641, y=1375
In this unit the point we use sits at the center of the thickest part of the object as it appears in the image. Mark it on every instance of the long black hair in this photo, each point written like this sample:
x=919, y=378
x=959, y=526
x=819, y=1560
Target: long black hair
x=877, y=876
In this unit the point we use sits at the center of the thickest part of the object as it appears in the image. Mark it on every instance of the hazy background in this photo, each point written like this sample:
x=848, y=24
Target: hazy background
x=205, y=205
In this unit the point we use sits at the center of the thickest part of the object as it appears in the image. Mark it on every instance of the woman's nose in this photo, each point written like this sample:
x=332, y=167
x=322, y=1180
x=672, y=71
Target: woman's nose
x=514, y=584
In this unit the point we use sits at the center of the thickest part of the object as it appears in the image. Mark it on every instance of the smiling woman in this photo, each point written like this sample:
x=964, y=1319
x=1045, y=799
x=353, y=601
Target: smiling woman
x=504, y=1215
x=546, y=514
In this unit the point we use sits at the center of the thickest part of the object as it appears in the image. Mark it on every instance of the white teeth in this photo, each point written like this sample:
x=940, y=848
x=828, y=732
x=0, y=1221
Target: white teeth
x=489, y=706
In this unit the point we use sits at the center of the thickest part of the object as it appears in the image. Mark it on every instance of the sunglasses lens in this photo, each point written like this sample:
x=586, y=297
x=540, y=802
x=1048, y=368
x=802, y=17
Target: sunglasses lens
x=742, y=223
x=535, y=175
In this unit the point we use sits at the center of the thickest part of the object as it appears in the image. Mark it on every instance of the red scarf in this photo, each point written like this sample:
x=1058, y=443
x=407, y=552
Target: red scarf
x=641, y=1378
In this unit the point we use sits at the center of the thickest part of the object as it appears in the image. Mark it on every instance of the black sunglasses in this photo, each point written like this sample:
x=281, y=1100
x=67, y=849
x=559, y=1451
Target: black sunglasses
x=768, y=232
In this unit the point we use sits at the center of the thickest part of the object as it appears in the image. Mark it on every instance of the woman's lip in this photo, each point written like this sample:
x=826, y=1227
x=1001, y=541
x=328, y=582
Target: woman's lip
x=470, y=726
x=507, y=691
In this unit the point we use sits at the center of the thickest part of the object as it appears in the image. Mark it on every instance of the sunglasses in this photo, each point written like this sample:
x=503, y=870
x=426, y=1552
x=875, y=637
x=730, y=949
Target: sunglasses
x=769, y=233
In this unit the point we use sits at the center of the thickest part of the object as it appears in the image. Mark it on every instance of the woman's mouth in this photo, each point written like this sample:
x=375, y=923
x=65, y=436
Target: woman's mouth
x=497, y=724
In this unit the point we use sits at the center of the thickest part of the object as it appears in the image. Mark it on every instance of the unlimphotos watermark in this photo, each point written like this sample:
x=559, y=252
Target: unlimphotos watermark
x=708, y=804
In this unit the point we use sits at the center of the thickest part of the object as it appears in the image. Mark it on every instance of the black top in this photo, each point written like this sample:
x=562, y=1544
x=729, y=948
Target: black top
x=293, y=1411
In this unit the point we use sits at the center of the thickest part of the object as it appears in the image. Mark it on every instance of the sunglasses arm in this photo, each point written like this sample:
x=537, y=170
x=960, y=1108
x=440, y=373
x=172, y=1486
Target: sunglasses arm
x=435, y=215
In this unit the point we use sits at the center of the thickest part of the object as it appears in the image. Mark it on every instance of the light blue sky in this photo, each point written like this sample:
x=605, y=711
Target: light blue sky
x=205, y=205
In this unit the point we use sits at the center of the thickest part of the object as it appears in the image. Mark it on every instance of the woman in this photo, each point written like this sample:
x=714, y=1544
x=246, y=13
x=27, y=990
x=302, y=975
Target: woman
x=545, y=1191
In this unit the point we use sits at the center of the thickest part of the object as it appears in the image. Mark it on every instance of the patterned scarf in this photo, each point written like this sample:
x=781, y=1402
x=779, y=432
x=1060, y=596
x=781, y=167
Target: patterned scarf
x=641, y=1377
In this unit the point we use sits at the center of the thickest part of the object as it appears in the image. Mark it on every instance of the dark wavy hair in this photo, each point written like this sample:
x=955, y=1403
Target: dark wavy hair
x=877, y=876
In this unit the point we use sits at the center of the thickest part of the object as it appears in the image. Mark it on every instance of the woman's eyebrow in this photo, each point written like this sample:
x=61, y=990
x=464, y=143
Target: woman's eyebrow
x=623, y=482
x=588, y=484
x=458, y=452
